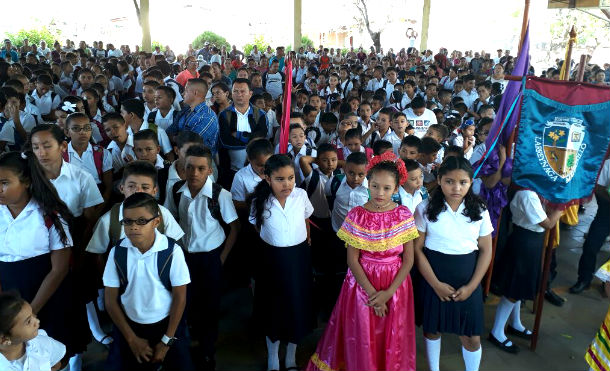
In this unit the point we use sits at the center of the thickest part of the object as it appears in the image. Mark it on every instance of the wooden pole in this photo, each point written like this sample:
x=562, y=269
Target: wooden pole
x=581, y=68
x=425, y=23
x=297, y=26
x=494, y=244
x=526, y=15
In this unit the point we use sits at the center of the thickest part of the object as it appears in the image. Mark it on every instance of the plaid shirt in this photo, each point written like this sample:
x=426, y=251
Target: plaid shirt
x=201, y=120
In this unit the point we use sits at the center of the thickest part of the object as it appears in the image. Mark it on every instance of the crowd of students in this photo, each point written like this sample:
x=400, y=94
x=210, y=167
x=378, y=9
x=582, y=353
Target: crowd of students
x=140, y=185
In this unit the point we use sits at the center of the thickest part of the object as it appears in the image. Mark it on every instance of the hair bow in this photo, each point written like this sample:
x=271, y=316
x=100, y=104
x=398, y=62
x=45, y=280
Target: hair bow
x=69, y=107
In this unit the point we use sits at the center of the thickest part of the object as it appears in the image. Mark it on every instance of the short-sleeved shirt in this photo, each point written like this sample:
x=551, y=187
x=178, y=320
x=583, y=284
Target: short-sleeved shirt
x=410, y=200
x=203, y=233
x=76, y=188
x=527, y=210
x=27, y=235
x=285, y=226
x=244, y=182
x=420, y=123
x=604, y=174
x=200, y=120
x=346, y=199
x=164, y=143
x=87, y=161
x=7, y=134
x=41, y=353
x=145, y=299
x=453, y=233
x=318, y=194
x=47, y=102
x=119, y=155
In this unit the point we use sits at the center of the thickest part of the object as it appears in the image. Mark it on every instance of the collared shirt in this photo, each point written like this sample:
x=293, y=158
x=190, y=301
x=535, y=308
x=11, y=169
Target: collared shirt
x=285, y=226
x=396, y=142
x=184, y=76
x=119, y=155
x=201, y=120
x=299, y=74
x=296, y=158
x=7, y=134
x=202, y=232
x=527, y=210
x=375, y=84
x=76, y=188
x=410, y=200
x=377, y=136
x=87, y=161
x=244, y=182
x=318, y=196
x=477, y=153
x=453, y=233
x=41, y=353
x=101, y=238
x=164, y=143
x=469, y=98
x=47, y=102
x=346, y=199
x=145, y=299
x=26, y=236
x=163, y=122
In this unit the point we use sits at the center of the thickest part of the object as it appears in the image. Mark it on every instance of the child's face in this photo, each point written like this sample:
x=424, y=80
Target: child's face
x=328, y=127
x=440, y=118
x=301, y=100
x=140, y=235
x=257, y=81
x=148, y=94
x=315, y=101
x=79, y=131
x=333, y=81
x=90, y=99
x=382, y=186
x=392, y=76
x=12, y=190
x=61, y=119
x=431, y=91
x=310, y=118
x=365, y=112
x=146, y=149
x=458, y=88
x=260, y=103
x=399, y=124
x=258, y=164
x=42, y=89
x=197, y=171
x=489, y=113
x=415, y=180
x=468, y=132
x=85, y=80
x=138, y=183
x=409, y=89
x=116, y=130
x=297, y=139
x=353, y=144
x=375, y=105
x=353, y=104
x=47, y=149
x=162, y=100
x=483, y=133
x=483, y=93
x=410, y=131
x=408, y=153
x=455, y=184
x=427, y=158
x=25, y=326
x=313, y=86
x=269, y=104
x=327, y=162
x=354, y=174
x=322, y=105
x=281, y=181
x=383, y=123
x=434, y=135
x=322, y=80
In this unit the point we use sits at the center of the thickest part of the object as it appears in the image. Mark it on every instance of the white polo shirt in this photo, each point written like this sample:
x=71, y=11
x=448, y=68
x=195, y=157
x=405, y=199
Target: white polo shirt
x=41, y=353
x=87, y=161
x=604, y=174
x=164, y=122
x=145, y=299
x=119, y=155
x=244, y=182
x=410, y=200
x=27, y=236
x=469, y=98
x=203, y=233
x=318, y=196
x=396, y=142
x=285, y=226
x=346, y=199
x=453, y=233
x=76, y=188
x=527, y=210
x=101, y=237
x=164, y=143
x=7, y=134
x=46, y=103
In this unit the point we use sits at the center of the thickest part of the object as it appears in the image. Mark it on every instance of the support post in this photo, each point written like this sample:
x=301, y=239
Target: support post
x=297, y=25
x=425, y=23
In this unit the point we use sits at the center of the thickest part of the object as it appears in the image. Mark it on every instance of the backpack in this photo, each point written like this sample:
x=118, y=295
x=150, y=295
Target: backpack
x=151, y=120
x=316, y=131
x=256, y=115
x=213, y=204
x=334, y=187
x=172, y=81
x=164, y=263
x=114, y=232
x=98, y=159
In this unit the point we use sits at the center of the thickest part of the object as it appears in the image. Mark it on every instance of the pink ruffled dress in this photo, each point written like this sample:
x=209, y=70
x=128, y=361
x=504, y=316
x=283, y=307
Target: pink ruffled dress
x=355, y=338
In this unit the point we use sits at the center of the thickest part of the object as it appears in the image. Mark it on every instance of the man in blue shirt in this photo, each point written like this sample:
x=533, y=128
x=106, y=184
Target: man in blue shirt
x=8, y=52
x=197, y=117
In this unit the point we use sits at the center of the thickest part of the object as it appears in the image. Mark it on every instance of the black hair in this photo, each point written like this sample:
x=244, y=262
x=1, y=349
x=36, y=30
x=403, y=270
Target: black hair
x=171, y=93
x=141, y=199
x=187, y=136
x=40, y=188
x=55, y=131
x=45, y=79
x=440, y=128
x=146, y=134
x=411, y=165
x=263, y=190
x=295, y=127
x=134, y=106
x=387, y=166
x=455, y=149
x=474, y=205
x=296, y=115
x=140, y=168
x=389, y=111
x=357, y=158
x=200, y=151
x=324, y=148
x=259, y=147
x=353, y=133
x=74, y=116
x=444, y=92
x=418, y=102
x=308, y=108
x=411, y=141
x=429, y=145
x=241, y=80
x=381, y=146
x=113, y=116
x=11, y=304
x=328, y=118
x=484, y=121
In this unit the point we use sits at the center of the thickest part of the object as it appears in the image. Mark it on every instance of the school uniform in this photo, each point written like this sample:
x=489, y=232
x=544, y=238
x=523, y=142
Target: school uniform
x=451, y=247
x=25, y=259
x=164, y=143
x=164, y=121
x=346, y=199
x=87, y=162
x=282, y=299
x=477, y=153
x=8, y=133
x=411, y=200
x=203, y=240
x=47, y=102
x=119, y=155
x=41, y=353
x=396, y=142
x=77, y=188
x=244, y=183
x=459, y=141
x=146, y=302
x=304, y=151
x=521, y=259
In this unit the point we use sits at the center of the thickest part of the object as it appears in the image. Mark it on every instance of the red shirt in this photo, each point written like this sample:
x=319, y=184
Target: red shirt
x=324, y=62
x=185, y=76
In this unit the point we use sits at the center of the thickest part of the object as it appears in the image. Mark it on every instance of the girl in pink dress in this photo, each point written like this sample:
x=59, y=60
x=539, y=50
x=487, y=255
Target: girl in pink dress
x=372, y=326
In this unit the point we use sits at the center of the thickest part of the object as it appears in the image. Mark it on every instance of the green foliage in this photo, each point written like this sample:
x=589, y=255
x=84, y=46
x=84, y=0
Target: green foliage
x=305, y=42
x=156, y=43
x=344, y=51
x=34, y=36
x=260, y=43
x=212, y=38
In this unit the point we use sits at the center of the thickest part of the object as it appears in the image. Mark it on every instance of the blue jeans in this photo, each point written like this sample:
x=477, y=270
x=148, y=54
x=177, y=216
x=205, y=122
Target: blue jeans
x=600, y=227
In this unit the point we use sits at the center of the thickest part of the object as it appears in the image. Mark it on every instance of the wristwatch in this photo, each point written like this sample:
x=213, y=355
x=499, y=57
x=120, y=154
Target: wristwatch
x=168, y=341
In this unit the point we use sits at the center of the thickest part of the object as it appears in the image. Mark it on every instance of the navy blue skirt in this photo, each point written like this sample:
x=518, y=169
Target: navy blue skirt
x=463, y=318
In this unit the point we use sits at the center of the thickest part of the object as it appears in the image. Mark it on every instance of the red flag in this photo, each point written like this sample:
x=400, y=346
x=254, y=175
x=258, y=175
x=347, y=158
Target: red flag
x=285, y=125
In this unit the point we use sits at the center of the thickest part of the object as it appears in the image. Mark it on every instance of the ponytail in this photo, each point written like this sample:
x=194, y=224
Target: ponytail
x=26, y=166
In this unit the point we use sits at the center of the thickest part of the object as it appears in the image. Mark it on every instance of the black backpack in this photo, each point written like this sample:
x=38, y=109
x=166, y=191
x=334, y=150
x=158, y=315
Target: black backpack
x=213, y=204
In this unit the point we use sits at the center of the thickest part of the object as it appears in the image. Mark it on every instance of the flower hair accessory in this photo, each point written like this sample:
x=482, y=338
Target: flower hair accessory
x=24, y=156
x=390, y=157
x=466, y=124
x=69, y=107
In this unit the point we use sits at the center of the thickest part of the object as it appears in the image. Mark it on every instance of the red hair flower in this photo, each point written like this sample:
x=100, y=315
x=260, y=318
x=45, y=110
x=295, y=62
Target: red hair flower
x=389, y=156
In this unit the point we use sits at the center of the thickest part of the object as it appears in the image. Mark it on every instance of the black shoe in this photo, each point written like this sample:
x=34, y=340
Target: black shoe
x=553, y=298
x=208, y=364
x=513, y=349
x=579, y=287
x=525, y=334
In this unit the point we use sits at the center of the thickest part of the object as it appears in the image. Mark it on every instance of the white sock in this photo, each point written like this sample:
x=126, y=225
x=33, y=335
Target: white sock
x=76, y=362
x=291, y=351
x=94, y=325
x=433, y=353
x=100, y=300
x=273, y=358
x=472, y=360
x=502, y=312
x=515, y=318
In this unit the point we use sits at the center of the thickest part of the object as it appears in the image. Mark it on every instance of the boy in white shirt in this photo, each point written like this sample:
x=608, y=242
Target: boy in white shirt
x=412, y=192
x=121, y=146
x=15, y=130
x=44, y=98
x=163, y=115
x=399, y=126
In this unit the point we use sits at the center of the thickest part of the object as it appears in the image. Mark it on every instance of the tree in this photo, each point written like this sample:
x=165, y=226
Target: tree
x=212, y=38
x=34, y=36
x=364, y=13
x=142, y=12
x=305, y=43
x=260, y=43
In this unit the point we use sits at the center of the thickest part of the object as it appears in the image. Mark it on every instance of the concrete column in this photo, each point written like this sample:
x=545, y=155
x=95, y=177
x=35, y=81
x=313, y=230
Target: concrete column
x=425, y=22
x=297, y=25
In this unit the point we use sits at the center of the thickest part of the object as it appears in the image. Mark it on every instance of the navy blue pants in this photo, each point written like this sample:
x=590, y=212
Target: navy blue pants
x=600, y=227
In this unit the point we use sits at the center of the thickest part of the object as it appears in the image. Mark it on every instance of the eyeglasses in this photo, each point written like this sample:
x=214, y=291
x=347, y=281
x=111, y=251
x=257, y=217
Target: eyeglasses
x=77, y=129
x=139, y=221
